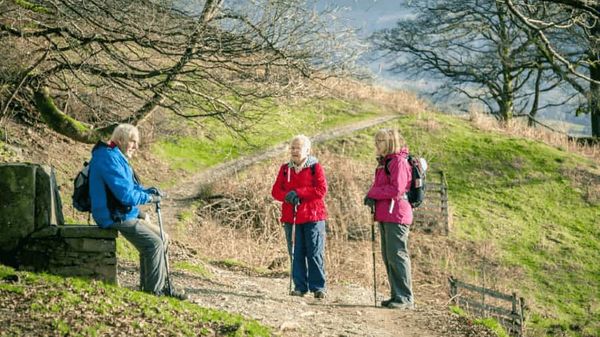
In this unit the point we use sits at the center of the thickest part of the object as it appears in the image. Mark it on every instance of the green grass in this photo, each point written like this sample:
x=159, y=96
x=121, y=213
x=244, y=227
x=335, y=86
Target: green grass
x=195, y=268
x=217, y=144
x=237, y=265
x=126, y=250
x=490, y=323
x=51, y=304
x=523, y=197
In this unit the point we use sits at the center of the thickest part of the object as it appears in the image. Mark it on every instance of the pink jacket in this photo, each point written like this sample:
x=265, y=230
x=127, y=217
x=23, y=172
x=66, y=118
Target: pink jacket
x=390, y=187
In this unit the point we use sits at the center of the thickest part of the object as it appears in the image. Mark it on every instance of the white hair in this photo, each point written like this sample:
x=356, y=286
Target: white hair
x=123, y=133
x=306, y=143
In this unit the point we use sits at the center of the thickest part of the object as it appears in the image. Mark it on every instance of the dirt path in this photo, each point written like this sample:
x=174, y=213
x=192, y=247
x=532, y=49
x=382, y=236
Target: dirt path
x=347, y=311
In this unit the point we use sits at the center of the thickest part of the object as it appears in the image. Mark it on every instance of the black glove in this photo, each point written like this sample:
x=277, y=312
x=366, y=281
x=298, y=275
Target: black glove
x=292, y=198
x=369, y=202
x=154, y=191
x=155, y=198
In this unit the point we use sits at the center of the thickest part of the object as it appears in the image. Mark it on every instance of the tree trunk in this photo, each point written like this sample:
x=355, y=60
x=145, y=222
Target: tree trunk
x=507, y=95
x=536, y=97
x=594, y=94
x=60, y=122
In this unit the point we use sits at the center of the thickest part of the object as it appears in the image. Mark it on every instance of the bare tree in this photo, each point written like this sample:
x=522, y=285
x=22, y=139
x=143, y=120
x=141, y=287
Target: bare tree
x=475, y=49
x=88, y=65
x=569, y=35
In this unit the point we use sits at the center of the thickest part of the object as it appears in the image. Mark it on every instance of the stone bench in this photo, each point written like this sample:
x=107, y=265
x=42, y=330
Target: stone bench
x=32, y=231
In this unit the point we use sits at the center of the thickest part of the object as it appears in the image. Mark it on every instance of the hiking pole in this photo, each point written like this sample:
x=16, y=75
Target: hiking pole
x=162, y=239
x=293, y=239
x=373, y=253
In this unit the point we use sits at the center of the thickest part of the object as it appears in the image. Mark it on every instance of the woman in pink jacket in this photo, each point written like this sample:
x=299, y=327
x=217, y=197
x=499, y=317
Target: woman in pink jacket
x=387, y=198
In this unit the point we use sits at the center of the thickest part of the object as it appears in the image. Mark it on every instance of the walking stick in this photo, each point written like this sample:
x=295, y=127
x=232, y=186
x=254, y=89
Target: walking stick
x=293, y=247
x=373, y=253
x=162, y=238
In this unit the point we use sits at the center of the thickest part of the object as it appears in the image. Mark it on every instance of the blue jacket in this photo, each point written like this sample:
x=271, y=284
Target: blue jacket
x=110, y=173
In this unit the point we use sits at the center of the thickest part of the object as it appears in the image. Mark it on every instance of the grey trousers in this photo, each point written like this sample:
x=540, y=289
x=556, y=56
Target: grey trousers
x=146, y=239
x=394, y=249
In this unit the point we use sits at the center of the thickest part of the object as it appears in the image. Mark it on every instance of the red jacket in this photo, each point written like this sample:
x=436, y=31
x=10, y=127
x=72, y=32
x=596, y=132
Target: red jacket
x=390, y=187
x=311, y=188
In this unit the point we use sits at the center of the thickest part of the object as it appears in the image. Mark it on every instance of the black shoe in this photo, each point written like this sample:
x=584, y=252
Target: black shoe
x=387, y=302
x=297, y=293
x=320, y=294
x=178, y=294
x=401, y=306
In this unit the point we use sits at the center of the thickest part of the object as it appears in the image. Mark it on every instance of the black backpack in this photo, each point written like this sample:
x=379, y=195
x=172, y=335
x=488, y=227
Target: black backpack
x=81, y=190
x=416, y=194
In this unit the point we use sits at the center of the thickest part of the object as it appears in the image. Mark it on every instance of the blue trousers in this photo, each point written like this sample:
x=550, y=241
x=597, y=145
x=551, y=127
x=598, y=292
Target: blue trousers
x=394, y=250
x=308, y=270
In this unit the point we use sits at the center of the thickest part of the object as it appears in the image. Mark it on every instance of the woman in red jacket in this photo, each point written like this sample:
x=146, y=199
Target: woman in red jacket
x=394, y=213
x=301, y=187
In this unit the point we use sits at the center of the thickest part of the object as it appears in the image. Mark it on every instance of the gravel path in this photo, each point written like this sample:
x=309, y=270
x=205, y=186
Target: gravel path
x=347, y=311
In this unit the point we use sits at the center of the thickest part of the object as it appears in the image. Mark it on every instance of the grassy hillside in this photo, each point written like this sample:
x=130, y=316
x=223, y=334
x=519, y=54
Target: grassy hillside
x=534, y=208
x=44, y=305
x=214, y=143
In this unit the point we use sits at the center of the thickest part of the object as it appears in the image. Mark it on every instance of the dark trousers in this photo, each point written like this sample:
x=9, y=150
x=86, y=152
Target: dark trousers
x=146, y=240
x=394, y=250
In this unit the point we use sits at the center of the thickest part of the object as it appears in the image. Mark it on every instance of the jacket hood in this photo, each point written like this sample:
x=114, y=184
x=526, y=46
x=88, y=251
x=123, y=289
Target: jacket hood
x=310, y=160
x=100, y=144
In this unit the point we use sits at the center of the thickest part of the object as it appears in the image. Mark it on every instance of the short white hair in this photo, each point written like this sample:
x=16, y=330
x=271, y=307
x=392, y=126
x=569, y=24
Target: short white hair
x=123, y=133
x=306, y=143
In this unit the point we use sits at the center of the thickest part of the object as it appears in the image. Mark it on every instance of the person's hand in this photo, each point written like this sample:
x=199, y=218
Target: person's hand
x=369, y=202
x=292, y=198
x=154, y=191
x=155, y=199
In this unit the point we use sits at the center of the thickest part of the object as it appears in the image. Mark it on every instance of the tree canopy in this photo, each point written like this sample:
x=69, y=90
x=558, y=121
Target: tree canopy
x=504, y=54
x=569, y=40
x=87, y=65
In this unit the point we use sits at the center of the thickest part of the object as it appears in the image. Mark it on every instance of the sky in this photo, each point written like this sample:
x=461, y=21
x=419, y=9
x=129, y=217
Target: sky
x=371, y=15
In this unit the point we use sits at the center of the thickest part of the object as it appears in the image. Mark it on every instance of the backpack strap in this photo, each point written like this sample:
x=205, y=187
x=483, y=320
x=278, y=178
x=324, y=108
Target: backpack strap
x=385, y=166
x=388, y=173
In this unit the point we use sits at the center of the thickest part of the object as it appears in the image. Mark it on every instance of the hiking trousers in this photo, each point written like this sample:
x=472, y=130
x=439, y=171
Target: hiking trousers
x=146, y=239
x=308, y=271
x=394, y=250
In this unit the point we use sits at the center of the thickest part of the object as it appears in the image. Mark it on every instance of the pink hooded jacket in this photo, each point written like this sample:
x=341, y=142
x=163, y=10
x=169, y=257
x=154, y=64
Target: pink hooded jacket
x=390, y=187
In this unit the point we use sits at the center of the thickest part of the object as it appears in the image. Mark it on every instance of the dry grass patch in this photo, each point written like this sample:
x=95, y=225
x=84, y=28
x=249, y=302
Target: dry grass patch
x=395, y=100
x=518, y=127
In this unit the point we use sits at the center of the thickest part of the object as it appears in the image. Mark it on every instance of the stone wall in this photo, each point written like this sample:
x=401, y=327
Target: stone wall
x=32, y=231
x=86, y=251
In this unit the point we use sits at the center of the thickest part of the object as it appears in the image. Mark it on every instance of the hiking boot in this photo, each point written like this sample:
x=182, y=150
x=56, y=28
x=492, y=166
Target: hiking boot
x=401, y=306
x=387, y=302
x=178, y=294
x=319, y=294
x=297, y=293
